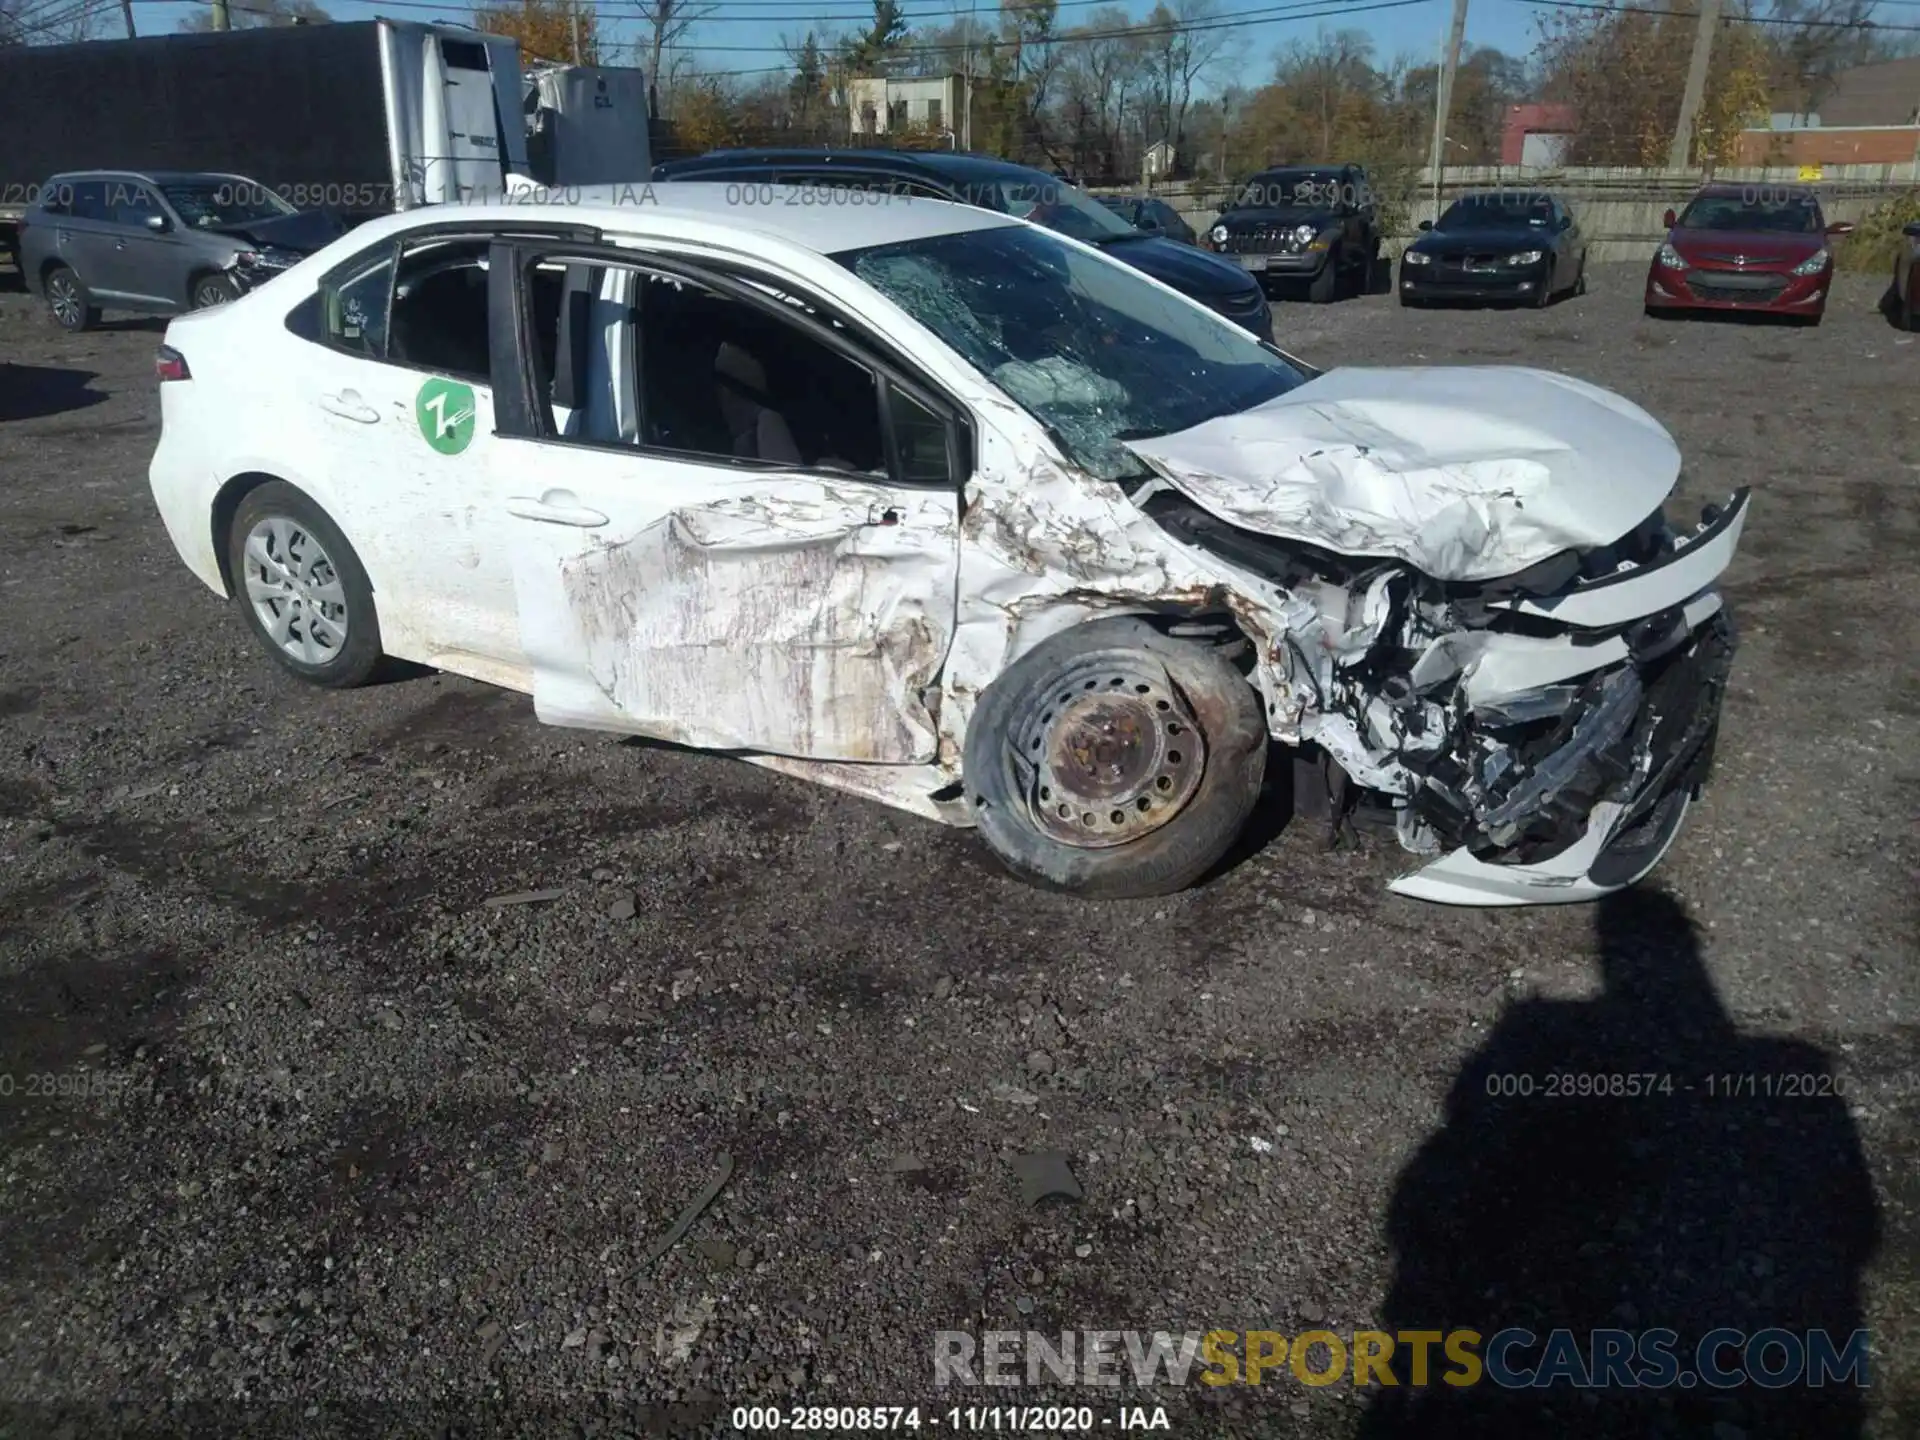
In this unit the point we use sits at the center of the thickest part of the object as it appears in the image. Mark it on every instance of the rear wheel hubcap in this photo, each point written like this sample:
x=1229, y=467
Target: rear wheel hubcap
x=295, y=591
x=1110, y=753
x=64, y=299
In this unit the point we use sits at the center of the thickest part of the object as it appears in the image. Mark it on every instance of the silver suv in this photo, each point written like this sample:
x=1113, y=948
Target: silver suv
x=158, y=242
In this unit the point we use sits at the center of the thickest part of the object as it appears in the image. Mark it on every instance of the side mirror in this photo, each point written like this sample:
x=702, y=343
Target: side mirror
x=1840, y=227
x=158, y=224
x=1668, y=219
x=1426, y=224
x=1147, y=226
x=1911, y=228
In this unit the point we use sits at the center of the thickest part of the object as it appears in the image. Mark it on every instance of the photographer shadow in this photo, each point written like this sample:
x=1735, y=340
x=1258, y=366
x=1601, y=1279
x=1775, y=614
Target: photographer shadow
x=1739, y=1198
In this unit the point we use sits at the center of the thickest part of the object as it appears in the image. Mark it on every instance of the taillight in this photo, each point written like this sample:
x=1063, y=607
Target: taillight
x=170, y=364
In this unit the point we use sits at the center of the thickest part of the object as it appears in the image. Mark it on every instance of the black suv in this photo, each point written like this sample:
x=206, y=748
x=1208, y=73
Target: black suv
x=1315, y=223
x=1000, y=186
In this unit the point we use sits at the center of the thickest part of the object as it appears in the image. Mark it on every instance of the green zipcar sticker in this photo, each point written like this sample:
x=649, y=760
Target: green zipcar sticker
x=445, y=412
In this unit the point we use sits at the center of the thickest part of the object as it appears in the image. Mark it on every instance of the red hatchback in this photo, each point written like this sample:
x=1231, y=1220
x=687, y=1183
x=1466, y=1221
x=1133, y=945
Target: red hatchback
x=1745, y=247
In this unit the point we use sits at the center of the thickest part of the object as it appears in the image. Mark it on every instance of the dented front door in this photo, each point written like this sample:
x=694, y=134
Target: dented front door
x=782, y=612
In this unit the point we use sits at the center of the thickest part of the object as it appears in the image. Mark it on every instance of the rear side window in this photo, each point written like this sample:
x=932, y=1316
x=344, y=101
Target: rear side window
x=355, y=306
x=422, y=305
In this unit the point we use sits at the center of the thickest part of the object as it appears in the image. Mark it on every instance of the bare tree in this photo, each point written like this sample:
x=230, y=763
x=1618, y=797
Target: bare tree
x=666, y=22
x=1102, y=76
x=49, y=22
x=1184, y=46
x=1321, y=78
x=259, y=15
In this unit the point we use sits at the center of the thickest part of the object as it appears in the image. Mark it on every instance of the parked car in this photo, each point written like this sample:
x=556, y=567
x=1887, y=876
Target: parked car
x=951, y=512
x=1152, y=214
x=1314, y=224
x=1906, y=278
x=1749, y=247
x=993, y=185
x=1500, y=245
x=157, y=243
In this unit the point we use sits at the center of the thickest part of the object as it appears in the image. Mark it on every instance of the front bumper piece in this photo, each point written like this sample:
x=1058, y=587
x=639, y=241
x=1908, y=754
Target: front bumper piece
x=1639, y=748
x=1601, y=808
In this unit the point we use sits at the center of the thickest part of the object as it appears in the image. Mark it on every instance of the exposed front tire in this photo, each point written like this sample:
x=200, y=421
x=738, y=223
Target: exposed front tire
x=302, y=589
x=1115, y=760
x=68, y=302
x=212, y=290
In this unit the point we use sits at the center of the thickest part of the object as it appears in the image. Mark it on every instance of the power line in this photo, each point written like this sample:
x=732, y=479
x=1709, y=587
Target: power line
x=1295, y=10
x=1865, y=26
x=1298, y=10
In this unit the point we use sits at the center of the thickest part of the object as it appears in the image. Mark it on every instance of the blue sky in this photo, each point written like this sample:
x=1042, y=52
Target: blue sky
x=743, y=35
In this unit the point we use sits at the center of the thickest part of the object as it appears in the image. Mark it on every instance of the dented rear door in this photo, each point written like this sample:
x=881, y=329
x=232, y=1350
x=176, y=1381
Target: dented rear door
x=715, y=601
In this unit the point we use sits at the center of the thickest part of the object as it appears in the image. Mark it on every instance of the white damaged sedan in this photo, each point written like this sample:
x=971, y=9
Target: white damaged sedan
x=940, y=507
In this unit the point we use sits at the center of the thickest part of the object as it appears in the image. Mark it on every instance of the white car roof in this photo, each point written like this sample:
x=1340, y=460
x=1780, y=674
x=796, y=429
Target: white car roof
x=811, y=219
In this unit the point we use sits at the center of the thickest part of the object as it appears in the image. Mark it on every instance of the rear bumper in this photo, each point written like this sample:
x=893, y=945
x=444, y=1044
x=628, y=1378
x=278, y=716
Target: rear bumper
x=1601, y=810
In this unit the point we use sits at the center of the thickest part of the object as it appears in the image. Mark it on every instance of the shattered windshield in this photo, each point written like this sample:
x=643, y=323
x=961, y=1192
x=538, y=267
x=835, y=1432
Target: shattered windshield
x=1088, y=347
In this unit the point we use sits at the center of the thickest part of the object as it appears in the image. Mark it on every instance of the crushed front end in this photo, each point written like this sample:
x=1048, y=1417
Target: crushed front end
x=1541, y=736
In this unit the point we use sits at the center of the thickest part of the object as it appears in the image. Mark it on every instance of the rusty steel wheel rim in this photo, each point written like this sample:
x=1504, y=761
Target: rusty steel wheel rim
x=1108, y=753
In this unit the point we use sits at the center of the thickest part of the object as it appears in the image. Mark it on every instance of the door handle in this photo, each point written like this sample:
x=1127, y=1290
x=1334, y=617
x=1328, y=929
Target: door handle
x=349, y=406
x=119, y=244
x=882, y=515
x=554, y=512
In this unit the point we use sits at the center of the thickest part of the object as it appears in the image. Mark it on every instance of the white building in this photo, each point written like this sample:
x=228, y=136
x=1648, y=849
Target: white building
x=878, y=104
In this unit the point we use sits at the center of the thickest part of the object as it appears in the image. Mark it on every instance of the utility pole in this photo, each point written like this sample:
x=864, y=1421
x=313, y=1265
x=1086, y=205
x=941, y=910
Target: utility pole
x=1443, y=98
x=1681, y=155
x=221, y=19
x=576, y=31
x=966, y=123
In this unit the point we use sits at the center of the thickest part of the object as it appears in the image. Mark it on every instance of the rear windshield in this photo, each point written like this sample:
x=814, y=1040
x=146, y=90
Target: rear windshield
x=1052, y=203
x=1095, y=352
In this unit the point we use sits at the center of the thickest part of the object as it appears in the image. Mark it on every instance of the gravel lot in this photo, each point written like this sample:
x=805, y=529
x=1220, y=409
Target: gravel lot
x=301, y=1135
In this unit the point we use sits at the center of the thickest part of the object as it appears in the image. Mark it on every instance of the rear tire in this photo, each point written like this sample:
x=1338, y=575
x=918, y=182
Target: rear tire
x=301, y=588
x=68, y=302
x=1150, y=746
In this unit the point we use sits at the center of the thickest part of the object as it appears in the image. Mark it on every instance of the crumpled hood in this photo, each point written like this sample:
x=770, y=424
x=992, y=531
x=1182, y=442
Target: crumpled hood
x=1464, y=472
x=304, y=231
